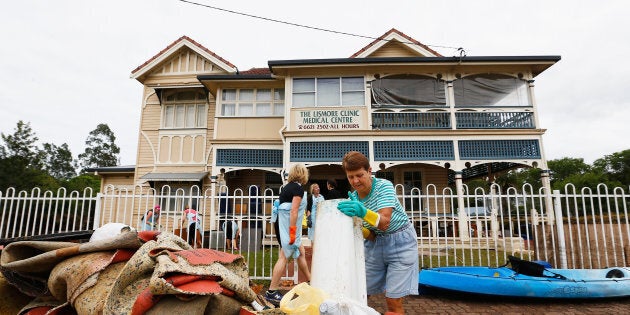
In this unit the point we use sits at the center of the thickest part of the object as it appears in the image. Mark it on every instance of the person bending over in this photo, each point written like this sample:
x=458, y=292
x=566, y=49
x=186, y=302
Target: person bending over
x=391, y=249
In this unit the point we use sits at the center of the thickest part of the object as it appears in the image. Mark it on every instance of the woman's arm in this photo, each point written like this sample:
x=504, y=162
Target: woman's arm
x=385, y=217
x=295, y=206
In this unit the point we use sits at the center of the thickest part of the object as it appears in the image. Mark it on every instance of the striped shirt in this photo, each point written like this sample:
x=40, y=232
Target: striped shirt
x=382, y=196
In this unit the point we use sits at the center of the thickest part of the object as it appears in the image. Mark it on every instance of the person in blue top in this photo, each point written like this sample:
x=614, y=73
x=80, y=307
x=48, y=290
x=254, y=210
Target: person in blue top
x=314, y=198
x=391, y=246
x=287, y=213
x=150, y=219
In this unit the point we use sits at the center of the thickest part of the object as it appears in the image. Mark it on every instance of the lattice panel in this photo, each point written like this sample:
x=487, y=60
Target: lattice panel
x=413, y=150
x=325, y=151
x=249, y=157
x=499, y=149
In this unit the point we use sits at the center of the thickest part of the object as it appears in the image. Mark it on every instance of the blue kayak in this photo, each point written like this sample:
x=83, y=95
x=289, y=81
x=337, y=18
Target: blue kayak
x=548, y=283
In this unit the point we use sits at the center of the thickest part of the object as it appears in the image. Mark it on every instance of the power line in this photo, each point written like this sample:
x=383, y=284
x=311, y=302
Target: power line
x=305, y=26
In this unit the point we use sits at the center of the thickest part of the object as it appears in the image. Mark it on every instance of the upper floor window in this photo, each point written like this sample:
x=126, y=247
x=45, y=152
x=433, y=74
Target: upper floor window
x=313, y=92
x=408, y=89
x=252, y=102
x=490, y=89
x=184, y=110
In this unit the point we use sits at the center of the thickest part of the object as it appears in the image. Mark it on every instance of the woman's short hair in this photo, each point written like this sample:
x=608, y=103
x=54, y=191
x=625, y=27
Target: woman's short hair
x=313, y=186
x=354, y=160
x=298, y=173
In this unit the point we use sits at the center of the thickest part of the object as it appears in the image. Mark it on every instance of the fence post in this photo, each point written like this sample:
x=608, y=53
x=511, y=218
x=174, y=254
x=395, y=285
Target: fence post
x=562, y=248
x=464, y=232
x=97, y=211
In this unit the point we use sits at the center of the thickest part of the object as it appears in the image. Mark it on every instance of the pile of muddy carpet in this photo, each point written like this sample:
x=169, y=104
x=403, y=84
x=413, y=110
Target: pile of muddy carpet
x=129, y=273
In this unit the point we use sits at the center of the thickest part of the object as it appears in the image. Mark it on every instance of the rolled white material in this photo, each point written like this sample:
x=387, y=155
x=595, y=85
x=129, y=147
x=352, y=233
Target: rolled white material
x=338, y=263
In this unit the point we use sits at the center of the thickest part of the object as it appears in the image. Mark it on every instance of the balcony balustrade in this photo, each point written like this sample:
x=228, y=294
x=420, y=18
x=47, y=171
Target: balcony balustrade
x=441, y=120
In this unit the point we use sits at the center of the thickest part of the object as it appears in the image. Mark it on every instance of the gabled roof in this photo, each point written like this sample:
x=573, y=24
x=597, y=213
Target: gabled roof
x=183, y=41
x=395, y=35
x=256, y=71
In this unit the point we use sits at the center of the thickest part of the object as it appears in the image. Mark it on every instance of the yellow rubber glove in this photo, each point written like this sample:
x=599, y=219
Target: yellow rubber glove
x=365, y=231
x=355, y=208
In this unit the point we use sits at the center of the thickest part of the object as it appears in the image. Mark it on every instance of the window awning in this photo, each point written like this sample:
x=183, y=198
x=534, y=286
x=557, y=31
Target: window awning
x=160, y=89
x=174, y=177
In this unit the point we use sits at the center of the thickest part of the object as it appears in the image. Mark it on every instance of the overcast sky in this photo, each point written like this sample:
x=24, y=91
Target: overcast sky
x=65, y=64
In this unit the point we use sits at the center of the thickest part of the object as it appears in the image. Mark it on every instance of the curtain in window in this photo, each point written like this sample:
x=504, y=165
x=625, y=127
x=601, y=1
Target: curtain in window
x=169, y=113
x=190, y=116
x=263, y=109
x=180, y=114
x=408, y=89
x=328, y=92
x=490, y=90
x=246, y=109
x=229, y=109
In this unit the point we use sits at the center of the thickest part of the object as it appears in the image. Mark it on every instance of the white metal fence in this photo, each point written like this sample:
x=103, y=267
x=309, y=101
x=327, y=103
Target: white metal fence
x=572, y=229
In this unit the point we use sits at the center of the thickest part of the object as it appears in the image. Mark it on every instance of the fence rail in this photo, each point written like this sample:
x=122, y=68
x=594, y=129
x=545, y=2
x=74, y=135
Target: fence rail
x=585, y=229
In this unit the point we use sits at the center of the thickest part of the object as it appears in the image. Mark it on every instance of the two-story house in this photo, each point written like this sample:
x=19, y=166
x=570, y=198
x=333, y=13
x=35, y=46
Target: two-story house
x=421, y=118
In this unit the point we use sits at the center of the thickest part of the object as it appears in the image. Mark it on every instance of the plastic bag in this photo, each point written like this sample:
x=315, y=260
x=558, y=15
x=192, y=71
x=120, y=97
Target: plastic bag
x=339, y=272
x=341, y=306
x=306, y=302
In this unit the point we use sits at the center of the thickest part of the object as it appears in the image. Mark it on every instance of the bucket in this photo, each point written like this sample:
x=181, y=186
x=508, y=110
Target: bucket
x=338, y=262
x=306, y=302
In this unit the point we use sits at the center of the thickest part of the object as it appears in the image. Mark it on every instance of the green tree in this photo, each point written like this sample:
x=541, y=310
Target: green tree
x=589, y=179
x=58, y=161
x=79, y=183
x=22, y=144
x=516, y=178
x=101, y=149
x=16, y=172
x=565, y=167
x=21, y=161
x=616, y=165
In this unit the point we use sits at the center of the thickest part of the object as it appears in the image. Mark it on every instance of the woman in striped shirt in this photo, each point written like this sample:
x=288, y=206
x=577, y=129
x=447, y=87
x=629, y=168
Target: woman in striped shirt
x=391, y=247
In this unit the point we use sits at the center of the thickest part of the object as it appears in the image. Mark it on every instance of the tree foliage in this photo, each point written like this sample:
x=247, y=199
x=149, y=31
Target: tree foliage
x=21, y=144
x=612, y=170
x=58, y=161
x=566, y=167
x=79, y=183
x=518, y=177
x=101, y=149
x=16, y=172
x=24, y=166
x=616, y=165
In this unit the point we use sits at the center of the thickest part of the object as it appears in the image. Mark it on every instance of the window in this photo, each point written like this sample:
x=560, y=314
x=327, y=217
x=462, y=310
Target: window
x=412, y=183
x=313, y=92
x=490, y=90
x=252, y=102
x=174, y=197
x=408, y=90
x=184, y=110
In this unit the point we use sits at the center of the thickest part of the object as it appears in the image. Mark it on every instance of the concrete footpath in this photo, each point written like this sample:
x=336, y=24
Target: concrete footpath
x=453, y=303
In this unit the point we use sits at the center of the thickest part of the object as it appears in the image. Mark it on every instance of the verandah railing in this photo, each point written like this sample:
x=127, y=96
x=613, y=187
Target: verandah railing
x=582, y=229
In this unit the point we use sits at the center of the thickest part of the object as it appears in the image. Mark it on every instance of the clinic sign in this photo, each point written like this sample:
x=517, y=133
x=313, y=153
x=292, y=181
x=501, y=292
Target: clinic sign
x=327, y=119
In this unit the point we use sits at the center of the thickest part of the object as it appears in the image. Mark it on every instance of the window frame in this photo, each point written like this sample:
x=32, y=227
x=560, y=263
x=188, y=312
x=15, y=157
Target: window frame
x=317, y=92
x=276, y=102
x=517, y=96
x=174, y=107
